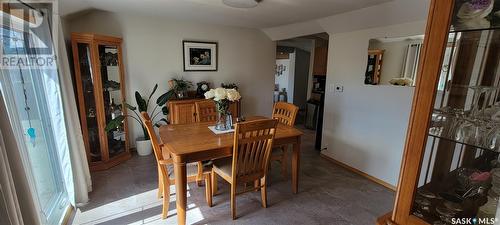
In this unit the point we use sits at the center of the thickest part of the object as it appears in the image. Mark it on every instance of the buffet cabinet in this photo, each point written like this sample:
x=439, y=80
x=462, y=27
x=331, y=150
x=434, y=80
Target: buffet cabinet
x=183, y=111
x=100, y=87
x=450, y=171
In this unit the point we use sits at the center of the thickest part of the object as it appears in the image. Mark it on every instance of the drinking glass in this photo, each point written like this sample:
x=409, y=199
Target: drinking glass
x=437, y=122
x=492, y=141
x=468, y=131
x=478, y=110
x=454, y=117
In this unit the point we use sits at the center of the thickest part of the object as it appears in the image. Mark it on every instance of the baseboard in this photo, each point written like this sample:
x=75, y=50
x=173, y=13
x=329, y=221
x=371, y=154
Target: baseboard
x=359, y=172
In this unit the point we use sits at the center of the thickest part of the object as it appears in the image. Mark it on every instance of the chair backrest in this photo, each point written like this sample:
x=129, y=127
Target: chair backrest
x=285, y=113
x=146, y=120
x=252, y=147
x=205, y=111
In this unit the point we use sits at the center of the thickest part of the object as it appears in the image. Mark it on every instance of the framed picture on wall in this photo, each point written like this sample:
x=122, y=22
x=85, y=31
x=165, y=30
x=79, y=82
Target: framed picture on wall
x=200, y=56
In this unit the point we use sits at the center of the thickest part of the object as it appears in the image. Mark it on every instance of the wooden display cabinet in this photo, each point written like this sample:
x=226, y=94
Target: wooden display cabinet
x=448, y=172
x=100, y=84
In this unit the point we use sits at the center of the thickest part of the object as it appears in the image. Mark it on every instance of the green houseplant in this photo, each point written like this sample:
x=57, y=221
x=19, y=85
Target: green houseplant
x=180, y=87
x=143, y=104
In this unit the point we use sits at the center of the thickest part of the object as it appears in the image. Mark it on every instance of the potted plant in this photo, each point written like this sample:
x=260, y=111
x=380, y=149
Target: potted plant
x=143, y=144
x=222, y=98
x=180, y=87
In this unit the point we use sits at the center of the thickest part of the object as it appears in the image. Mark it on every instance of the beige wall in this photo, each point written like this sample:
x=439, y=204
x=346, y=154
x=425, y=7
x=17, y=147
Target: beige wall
x=153, y=54
x=364, y=126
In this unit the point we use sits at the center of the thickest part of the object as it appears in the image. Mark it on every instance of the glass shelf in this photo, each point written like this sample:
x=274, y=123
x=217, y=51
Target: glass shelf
x=473, y=29
x=462, y=143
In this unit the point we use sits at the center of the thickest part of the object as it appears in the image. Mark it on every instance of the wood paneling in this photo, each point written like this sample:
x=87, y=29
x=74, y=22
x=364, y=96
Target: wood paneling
x=320, y=60
x=184, y=111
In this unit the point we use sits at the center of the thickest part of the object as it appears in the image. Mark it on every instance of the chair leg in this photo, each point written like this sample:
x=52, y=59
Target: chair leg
x=208, y=189
x=214, y=183
x=199, y=176
x=160, y=184
x=263, y=191
x=233, y=201
x=256, y=184
x=166, y=200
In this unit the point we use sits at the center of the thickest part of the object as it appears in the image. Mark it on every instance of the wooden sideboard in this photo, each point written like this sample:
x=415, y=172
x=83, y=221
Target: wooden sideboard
x=183, y=111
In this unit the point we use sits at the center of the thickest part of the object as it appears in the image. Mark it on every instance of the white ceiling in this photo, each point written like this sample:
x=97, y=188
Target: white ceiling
x=268, y=13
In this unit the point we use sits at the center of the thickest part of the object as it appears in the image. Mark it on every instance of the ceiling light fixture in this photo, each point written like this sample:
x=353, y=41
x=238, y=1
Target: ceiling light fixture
x=243, y=4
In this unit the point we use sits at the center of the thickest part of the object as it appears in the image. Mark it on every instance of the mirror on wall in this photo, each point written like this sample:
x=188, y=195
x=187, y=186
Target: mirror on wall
x=393, y=60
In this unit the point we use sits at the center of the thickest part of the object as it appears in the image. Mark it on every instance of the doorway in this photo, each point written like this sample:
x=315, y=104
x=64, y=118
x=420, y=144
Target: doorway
x=300, y=77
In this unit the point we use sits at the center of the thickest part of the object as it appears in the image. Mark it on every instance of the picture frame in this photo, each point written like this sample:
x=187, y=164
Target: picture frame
x=200, y=56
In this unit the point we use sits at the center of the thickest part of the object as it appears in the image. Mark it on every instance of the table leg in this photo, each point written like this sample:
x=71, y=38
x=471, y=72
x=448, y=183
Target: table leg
x=295, y=166
x=180, y=189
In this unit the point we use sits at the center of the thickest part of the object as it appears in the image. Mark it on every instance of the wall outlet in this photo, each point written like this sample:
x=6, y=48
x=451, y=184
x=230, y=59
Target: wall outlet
x=339, y=88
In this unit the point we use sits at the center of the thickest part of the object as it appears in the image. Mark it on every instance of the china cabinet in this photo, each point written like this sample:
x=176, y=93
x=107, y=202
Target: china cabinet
x=450, y=171
x=100, y=84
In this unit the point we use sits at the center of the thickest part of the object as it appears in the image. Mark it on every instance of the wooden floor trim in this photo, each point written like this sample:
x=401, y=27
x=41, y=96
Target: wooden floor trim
x=359, y=172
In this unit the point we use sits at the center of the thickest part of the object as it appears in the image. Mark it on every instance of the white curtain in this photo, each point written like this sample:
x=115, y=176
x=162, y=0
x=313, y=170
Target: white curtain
x=82, y=184
x=8, y=194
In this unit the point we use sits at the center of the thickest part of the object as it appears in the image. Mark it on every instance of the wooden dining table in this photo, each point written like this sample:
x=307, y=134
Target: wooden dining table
x=196, y=142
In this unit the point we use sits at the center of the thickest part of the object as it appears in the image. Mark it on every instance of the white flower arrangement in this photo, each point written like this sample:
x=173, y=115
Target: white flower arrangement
x=222, y=97
x=220, y=94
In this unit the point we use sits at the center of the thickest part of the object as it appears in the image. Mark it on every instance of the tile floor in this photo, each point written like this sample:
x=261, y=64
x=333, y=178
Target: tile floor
x=328, y=194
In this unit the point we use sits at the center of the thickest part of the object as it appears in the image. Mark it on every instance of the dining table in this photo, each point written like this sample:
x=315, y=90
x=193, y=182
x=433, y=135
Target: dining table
x=194, y=142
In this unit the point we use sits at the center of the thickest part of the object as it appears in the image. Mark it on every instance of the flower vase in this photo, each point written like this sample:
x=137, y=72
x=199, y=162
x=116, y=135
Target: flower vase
x=222, y=107
x=222, y=123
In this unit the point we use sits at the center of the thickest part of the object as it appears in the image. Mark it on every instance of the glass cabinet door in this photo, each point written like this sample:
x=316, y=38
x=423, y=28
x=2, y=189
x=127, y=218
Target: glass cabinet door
x=89, y=108
x=112, y=86
x=460, y=172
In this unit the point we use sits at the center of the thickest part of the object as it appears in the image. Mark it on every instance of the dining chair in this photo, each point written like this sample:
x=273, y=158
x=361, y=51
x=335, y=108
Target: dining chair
x=285, y=113
x=252, y=144
x=205, y=111
x=166, y=173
